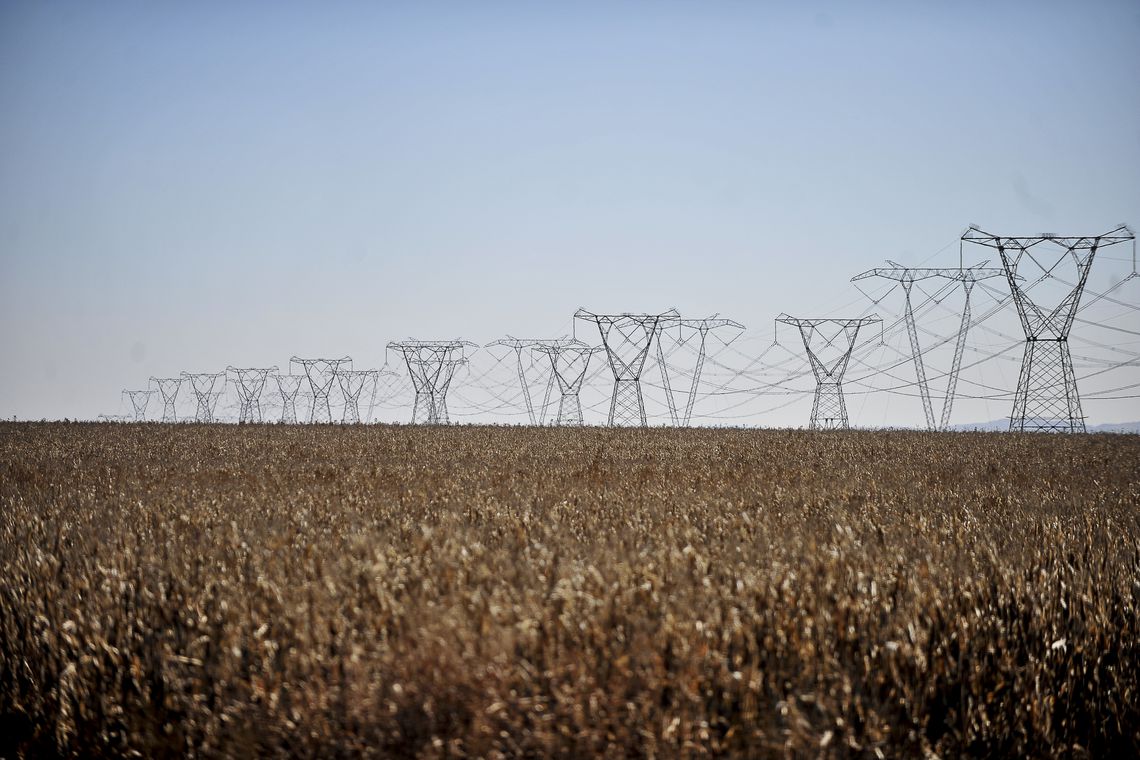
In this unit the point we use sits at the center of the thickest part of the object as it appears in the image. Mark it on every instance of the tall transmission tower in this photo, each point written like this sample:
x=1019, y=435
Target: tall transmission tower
x=701, y=329
x=139, y=401
x=431, y=365
x=168, y=388
x=569, y=360
x=628, y=339
x=829, y=409
x=206, y=394
x=288, y=386
x=321, y=374
x=352, y=384
x=519, y=345
x=1047, y=397
x=906, y=277
x=250, y=382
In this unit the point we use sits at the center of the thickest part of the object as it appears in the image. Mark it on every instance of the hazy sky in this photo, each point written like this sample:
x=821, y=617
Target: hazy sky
x=186, y=186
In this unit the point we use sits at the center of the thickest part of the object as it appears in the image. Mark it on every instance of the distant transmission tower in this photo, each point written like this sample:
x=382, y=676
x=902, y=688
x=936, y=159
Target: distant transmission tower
x=250, y=383
x=139, y=401
x=1047, y=397
x=288, y=386
x=203, y=384
x=168, y=389
x=569, y=360
x=518, y=345
x=829, y=410
x=431, y=365
x=627, y=339
x=321, y=374
x=907, y=276
x=701, y=328
x=352, y=384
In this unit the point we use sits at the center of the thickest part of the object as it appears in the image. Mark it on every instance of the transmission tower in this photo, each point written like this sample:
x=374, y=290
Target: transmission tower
x=518, y=345
x=431, y=365
x=627, y=339
x=569, y=360
x=352, y=384
x=321, y=374
x=700, y=328
x=288, y=386
x=206, y=394
x=139, y=401
x=1047, y=397
x=250, y=383
x=829, y=410
x=168, y=389
x=907, y=276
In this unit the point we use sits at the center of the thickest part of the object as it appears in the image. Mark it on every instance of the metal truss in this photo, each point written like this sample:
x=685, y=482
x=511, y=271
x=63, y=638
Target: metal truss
x=628, y=339
x=139, y=401
x=907, y=276
x=321, y=374
x=288, y=386
x=829, y=409
x=250, y=382
x=168, y=388
x=701, y=329
x=206, y=392
x=431, y=365
x=569, y=360
x=518, y=345
x=352, y=384
x=1047, y=397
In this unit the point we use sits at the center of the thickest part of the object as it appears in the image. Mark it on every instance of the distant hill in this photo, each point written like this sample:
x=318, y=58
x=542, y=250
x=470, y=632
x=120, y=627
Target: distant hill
x=1003, y=425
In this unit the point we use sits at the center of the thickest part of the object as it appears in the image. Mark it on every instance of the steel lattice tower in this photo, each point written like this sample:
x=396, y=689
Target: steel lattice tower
x=168, y=388
x=206, y=394
x=829, y=409
x=250, y=383
x=139, y=401
x=1047, y=397
x=907, y=276
x=288, y=386
x=321, y=374
x=518, y=345
x=569, y=360
x=701, y=328
x=628, y=339
x=352, y=384
x=431, y=365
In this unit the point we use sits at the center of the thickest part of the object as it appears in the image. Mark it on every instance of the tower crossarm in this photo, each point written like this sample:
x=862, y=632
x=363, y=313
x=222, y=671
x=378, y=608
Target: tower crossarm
x=914, y=274
x=1120, y=234
x=710, y=323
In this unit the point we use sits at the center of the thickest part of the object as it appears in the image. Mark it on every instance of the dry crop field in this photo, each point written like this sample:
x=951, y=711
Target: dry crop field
x=398, y=591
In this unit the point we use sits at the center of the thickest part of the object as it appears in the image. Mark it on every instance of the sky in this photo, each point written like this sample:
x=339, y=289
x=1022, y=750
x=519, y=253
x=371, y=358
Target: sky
x=190, y=186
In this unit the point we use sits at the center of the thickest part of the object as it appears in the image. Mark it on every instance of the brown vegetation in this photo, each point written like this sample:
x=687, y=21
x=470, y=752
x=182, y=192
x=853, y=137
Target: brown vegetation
x=396, y=591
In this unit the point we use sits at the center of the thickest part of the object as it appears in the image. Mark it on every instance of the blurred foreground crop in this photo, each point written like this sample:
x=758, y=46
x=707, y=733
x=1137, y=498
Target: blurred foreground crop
x=398, y=591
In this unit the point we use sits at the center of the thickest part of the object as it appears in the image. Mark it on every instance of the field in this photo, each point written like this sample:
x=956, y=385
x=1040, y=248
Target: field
x=399, y=591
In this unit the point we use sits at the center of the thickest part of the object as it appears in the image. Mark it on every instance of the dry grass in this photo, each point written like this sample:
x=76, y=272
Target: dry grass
x=394, y=591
